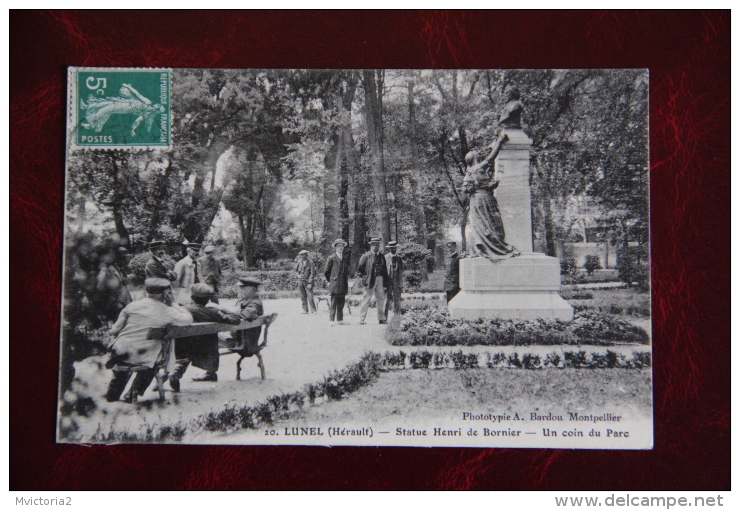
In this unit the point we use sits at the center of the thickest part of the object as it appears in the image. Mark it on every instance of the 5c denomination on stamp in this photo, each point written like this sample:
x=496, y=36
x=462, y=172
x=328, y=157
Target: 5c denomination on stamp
x=119, y=108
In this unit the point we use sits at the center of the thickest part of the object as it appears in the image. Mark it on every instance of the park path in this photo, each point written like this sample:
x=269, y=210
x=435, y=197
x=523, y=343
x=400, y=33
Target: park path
x=301, y=349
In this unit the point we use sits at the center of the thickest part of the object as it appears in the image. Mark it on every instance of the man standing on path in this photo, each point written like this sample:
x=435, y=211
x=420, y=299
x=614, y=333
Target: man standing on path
x=155, y=267
x=306, y=276
x=187, y=271
x=210, y=271
x=201, y=351
x=452, y=277
x=374, y=274
x=337, y=273
x=395, y=278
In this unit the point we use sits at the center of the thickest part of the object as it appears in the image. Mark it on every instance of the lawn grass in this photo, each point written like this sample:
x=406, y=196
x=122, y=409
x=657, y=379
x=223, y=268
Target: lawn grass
x=415, y=396
x=616, y=301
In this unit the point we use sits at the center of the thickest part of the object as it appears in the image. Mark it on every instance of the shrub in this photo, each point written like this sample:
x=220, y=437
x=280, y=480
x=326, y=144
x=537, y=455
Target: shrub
x=434, y=326
x=569, y=270
x=593, y=262
x=412, y=280
x=412, y=253
x=575, y=295
x=632, y=265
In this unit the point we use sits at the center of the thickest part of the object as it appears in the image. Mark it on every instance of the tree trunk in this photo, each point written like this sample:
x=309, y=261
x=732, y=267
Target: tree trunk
x=243, y=232
x=464, y=147
x=249, y=241
x=550, y=237
x=160, y=199
x=331, y=193
x=359, y=242
x=121, y=229
x=373, y=82
x=349, y=164
x=195, y=228
x=419, y=214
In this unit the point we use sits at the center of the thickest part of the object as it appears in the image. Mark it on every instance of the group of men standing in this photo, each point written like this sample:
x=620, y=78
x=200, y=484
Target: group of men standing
x=381, y=275
x=188, y=271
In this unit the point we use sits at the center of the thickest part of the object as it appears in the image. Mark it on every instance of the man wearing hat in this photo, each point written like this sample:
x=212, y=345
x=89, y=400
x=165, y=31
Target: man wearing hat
x=395, y=277
x=452, y=276
x=187, y=271
x=374, y=273
x=201, y=351
x=306, y=275
x=130, y=349
x=210, y=271
x=155, y=267
x=250, y=307
x=337, y=278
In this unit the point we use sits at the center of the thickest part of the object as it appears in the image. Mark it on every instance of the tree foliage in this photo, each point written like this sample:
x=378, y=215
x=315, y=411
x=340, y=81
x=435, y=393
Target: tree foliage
x=297, y=158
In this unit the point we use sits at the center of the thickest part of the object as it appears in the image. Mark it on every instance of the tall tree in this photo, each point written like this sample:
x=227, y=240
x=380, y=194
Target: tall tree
x=373, y=84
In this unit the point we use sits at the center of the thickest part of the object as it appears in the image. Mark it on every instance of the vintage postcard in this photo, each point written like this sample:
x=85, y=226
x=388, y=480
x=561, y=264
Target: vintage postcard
x=357, y=257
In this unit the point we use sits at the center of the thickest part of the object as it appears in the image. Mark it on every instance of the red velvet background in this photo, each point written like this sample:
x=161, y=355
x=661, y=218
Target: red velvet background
x=688, y=54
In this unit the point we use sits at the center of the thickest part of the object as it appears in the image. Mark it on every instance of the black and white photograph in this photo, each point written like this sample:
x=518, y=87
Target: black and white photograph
x=359, y=257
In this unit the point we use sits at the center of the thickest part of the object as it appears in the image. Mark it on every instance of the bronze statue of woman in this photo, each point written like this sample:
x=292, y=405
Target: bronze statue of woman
x=485, y=234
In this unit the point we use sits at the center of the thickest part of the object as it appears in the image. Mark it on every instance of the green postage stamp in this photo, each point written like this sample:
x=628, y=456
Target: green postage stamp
x=119, y=108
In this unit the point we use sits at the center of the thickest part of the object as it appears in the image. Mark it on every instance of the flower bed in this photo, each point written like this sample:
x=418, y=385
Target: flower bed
x=434, y=326
x=459, y=360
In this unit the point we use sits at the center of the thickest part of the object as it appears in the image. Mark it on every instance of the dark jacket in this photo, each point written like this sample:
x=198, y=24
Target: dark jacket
x=306, y=272
x=250, y=310
x=395, y=267
x=452, y=277
x=202, y=350
x=155, y=268
x=365, y=268
x=210, y=271
x=337, y=274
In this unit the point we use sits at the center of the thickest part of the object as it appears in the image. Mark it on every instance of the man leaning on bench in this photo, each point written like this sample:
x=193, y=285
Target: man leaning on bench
x=143, y=336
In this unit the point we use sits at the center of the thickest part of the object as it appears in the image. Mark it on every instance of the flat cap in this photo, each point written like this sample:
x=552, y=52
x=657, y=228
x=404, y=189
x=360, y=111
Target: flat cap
x=248, y=281
x=375, y=240
x=303, y=252
x=209, y=249
x=156, y=243
x=156, y=285
x=339, y=241
x=392, y=244
x=202, y=290
x=451, y=243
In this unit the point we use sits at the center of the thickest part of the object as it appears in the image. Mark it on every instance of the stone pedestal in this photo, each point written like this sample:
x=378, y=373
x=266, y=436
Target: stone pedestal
x=513, y=195
x=523, y=287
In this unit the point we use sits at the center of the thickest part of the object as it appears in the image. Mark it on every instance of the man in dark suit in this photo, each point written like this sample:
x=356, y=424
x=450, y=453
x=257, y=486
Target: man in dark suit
x=155, y=267
x=306, y=276
x=210, y=270
x=395, y=277
x=202, y=350
x=452, y=277
x=374, y=273
x=337, y=275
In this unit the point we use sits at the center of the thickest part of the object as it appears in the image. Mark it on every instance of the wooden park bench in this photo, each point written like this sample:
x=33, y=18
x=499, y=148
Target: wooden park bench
x=243, y=347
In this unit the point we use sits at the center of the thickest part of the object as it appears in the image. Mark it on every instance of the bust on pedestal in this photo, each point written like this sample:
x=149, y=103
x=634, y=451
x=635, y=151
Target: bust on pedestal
x=503, y=277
